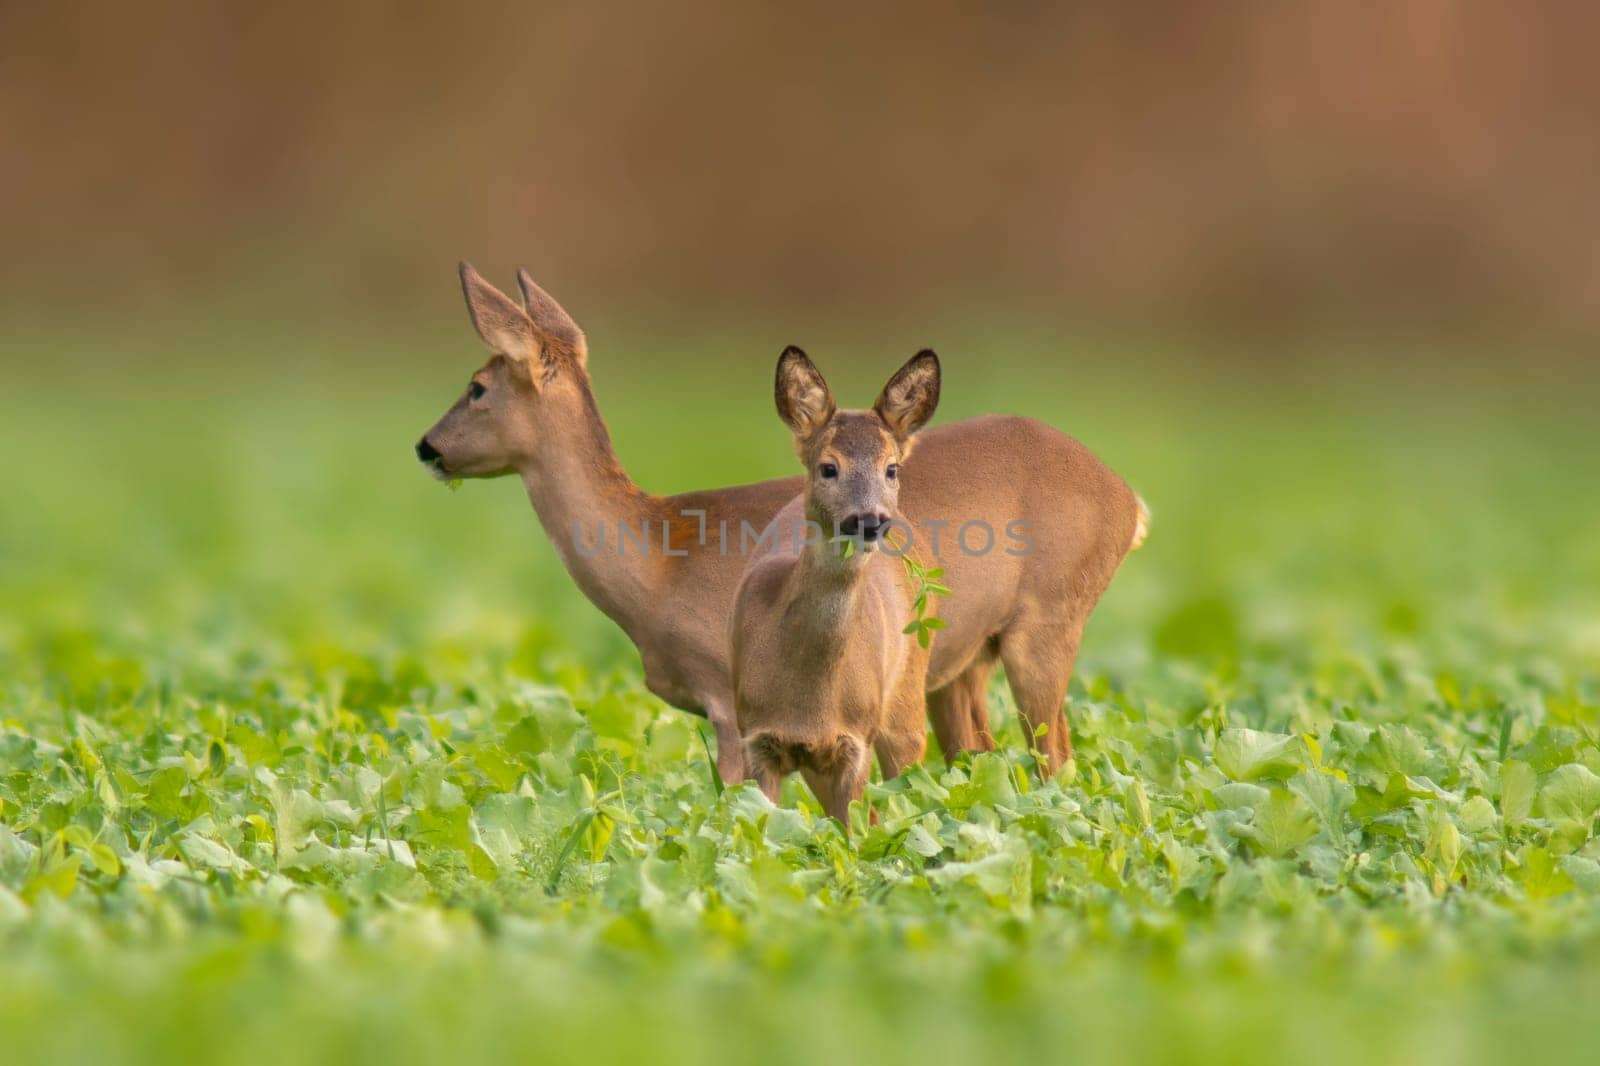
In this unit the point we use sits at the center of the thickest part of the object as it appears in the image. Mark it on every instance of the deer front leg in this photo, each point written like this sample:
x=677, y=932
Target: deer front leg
x=764, y=766
x=902, y=740
x=896, y=753
x=902, y=737
x=839, y=775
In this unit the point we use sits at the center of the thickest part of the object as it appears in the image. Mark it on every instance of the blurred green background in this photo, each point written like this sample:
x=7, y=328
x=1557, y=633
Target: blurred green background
x=1321, y=283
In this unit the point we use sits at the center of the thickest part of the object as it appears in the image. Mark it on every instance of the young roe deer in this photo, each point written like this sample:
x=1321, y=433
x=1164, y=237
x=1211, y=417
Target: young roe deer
x=824, y=673
x=529, y=411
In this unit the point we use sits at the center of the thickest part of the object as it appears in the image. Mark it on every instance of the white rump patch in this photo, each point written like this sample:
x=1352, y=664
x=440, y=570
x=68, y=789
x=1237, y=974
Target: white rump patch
x=1141, y=528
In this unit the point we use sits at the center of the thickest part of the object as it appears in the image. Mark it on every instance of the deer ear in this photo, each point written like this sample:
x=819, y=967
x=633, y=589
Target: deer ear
x=804, y=402
x=909, y=399
x=550, y=318
x=499, y=322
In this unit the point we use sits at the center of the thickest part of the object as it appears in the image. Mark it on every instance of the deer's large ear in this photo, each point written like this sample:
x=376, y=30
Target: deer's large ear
x=502, y=325
x=908, y=400
x=804, y=402
x=550, y=318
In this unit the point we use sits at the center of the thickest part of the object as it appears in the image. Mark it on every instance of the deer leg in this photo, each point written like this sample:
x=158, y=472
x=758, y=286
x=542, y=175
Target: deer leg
x=730, y=745
x=766, y=759
x=902, y=738
x=770, y=780
x=960, y=712
x=952, y=721
x=897, y=752
x=1038, y=659
x=839, y=776
x=826, y=786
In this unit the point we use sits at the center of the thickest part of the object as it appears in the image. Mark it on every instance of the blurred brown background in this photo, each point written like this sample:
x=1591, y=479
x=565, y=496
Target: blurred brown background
x=1424, y=165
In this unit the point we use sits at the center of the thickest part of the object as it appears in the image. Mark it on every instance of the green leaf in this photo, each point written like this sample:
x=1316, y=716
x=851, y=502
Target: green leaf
x=550, y=726
x=480, y=864
x=298, y=812
x=1284, y=823
x=1542, y=876
x=104, y=859
x=1327, y=795
x=58, y=879
x=1398, y=792
x=1137, y=803
x=919, y=841
x=16, y=854
x=1571, y=792
x=990, y=782
x=1249, y=755
x=1238, y=794
x=1401, y=749
x=202, y=852
x=164, y=795
x=1447, y=845
x=1478, y=816
x=619, y=716
x=1585, y=873
x=1518, y=785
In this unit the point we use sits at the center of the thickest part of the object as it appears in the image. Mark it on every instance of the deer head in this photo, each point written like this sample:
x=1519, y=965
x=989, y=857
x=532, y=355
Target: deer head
x=852, y=458
x=535, y=375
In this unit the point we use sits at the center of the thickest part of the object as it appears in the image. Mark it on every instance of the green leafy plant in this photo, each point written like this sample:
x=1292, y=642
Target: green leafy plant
x=927, y=583
x=280, y=784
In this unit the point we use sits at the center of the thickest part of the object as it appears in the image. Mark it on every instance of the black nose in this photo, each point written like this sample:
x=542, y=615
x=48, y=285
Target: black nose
x=868, y=527
x=425, y=451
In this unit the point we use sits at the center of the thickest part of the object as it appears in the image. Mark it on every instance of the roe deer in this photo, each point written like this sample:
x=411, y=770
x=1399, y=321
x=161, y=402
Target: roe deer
x=823, y=671
x=530, y=411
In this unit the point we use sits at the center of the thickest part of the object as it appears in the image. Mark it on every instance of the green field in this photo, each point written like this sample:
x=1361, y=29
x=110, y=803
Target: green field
x=304, y=757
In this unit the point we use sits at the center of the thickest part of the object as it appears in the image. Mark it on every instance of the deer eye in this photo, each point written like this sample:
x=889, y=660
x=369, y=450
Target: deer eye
x=893, y=471
x=476, y=390
x=828, y=470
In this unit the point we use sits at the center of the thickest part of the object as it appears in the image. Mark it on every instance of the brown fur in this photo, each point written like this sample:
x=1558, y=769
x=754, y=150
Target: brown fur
x=1027, y=610
x=823, y=672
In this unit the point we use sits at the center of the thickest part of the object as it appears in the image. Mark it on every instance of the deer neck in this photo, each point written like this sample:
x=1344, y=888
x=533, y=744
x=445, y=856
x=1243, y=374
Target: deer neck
x=581, y=494
x=825, y=591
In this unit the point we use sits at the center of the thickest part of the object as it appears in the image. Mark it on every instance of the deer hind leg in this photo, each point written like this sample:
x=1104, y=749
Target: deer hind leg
x=730, y=745
x=1038, y=656
x=960, y=710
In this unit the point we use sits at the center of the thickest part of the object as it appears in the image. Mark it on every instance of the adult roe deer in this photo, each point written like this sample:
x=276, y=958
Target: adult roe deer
x=823, y=671
x=530, y=411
